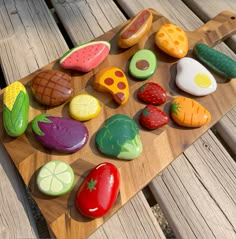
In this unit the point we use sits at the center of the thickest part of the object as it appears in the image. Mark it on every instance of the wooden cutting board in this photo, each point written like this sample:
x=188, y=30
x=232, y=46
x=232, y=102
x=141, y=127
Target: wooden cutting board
x=160, y=147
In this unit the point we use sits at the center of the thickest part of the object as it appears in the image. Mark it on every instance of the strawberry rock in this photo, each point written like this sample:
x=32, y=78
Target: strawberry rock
x=152, y=118
x=152, y=93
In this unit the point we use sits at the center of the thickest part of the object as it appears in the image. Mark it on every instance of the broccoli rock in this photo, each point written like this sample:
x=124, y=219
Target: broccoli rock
x=119, y=137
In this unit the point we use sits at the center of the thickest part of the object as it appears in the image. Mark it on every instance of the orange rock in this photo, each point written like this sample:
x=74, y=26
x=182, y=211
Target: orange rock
x=172, y=40
x=112, y=80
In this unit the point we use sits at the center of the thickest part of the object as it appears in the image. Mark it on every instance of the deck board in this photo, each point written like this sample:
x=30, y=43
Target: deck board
x=29, y=39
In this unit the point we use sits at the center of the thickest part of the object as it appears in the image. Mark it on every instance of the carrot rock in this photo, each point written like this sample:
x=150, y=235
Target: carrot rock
x=189, y=113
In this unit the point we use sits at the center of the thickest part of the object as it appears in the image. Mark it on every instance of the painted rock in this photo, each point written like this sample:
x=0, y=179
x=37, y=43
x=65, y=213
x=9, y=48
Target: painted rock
x=152, y=93
x=52, y=87
x=60, y=134
x=85, y=57
x=98, y=192
x=113, y=81
x=55, y=178
x=188, y=112
x=84, y=107
x=119, y=138
x=193, y=78
x=138, y=27
x=15, y=109
x=216, y=61
x=172, y=40
x=143, y=64
x=152, y=118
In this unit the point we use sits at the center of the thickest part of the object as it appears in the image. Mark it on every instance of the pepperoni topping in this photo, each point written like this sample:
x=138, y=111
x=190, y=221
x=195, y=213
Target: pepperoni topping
x=120, y=96
x=108, y=81
x=119, y=73
x=142, y=65
x=121, y=85
x=137, y=23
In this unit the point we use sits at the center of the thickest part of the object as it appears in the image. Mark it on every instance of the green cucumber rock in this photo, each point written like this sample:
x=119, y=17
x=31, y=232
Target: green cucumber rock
x=215, y=60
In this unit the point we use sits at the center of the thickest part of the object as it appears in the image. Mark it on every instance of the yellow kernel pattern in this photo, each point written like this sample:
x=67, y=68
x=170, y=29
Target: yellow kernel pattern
x=11, y=92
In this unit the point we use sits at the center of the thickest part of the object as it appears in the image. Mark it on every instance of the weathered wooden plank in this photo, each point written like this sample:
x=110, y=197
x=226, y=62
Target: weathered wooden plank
x=29, y=39
x=134, y=220
x=208, y=9
x=197, y=191
x=86, y=20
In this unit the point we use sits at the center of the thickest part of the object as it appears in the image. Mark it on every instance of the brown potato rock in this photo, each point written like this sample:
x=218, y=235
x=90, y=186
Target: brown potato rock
x=52, y=87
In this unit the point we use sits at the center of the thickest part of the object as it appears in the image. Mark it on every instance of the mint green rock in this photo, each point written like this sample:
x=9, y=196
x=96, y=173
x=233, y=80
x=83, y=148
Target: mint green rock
x=216, y=61
x=143, y=64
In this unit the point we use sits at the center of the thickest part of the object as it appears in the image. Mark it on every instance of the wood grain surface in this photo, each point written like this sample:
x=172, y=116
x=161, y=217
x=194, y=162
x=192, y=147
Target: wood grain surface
x=60, y=212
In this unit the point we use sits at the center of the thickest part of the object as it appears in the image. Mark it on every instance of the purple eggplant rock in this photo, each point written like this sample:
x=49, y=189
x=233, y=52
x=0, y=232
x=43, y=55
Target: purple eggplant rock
x=60, y=134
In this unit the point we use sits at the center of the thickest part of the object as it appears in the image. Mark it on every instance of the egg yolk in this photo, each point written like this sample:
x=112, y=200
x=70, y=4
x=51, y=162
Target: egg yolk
x=202, y=80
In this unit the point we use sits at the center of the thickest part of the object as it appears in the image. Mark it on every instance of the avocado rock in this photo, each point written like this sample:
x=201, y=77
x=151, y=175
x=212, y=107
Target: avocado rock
x=58, y=133
x=143, y=64
x=119, y=137
x=85, y=57
x=99, y=190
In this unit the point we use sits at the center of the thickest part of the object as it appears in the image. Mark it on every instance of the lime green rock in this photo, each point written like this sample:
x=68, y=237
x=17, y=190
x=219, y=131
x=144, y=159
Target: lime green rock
x=143, y=64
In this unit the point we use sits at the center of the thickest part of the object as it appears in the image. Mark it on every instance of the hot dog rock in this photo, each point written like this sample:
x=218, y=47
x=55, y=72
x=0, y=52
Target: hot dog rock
x=136, y=29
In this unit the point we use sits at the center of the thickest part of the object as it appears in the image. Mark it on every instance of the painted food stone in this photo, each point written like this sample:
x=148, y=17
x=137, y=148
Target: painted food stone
x=15, y=109
x=189, y=113
x=84, y=107
x=55, y=178
x=60, y=134
x=52, y=87
x=98, y=192
x=143, y=64
x=85, y=57
x=138, y=27
x=152, y=118
x=113, y=81
x=193, y=78
x=119, y=137
x=216, y=61
x=172, y=40
x=152, y=93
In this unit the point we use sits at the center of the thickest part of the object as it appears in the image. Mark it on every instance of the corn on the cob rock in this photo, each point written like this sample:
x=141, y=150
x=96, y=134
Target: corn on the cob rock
x=16, y=109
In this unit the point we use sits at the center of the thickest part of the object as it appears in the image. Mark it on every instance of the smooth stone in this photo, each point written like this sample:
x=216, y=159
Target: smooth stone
x=193, y=78
x=136, y=29
x=172, y=40
x=15, y=109
x=152, y=117
x=55, y=178
x=52, y=87
x=189, y=113
x=143, y=64
x=85, y=57
x=113, y=81
x=217, y=61
x=98, y=191
x=119, y=138
x=152, y=93
x=59, y=133
x=84, y=107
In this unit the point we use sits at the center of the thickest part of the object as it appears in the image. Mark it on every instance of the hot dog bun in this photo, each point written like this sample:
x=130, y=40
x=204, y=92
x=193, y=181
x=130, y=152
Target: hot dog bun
x=138, y=27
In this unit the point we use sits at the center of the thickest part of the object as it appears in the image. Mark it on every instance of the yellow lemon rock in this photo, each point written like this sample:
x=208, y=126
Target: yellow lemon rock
x=84, y=107
x=172, y=40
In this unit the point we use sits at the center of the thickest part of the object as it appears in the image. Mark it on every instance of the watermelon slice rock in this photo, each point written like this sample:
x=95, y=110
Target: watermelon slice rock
x=85, y=57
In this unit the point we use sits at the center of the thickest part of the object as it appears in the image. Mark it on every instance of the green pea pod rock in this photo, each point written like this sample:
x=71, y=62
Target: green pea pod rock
x=216, y=61
x=15, y=109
